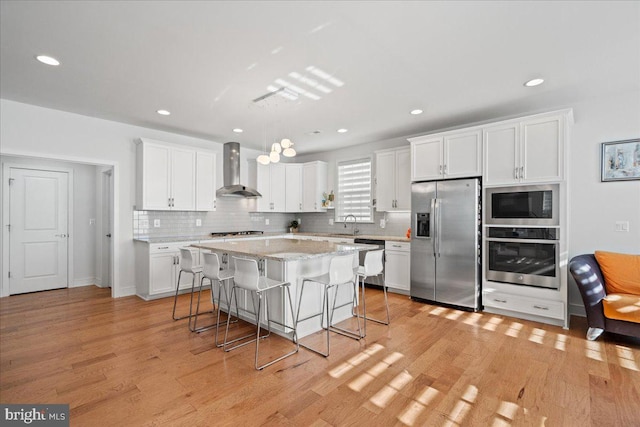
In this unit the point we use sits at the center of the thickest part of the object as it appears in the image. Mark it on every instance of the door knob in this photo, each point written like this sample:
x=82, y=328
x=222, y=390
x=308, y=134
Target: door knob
x=60, y=235
x=108, y=235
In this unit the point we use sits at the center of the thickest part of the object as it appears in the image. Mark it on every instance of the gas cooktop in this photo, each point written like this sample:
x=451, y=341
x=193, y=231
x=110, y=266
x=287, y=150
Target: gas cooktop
x=235, y=233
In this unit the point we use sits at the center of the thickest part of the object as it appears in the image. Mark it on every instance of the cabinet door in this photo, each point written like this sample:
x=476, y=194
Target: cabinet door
x=542, y=149
x=278, y=187
x=385, y=181
x=403, y=179
x=463, y=155
x=501, y=154
x=426, y=159
x=314, y=183
x=156, y=177
x=183, y=179
x=397, y=270
x=263, y=185
x=162, y=272
x=293, y=187
x=205, y=181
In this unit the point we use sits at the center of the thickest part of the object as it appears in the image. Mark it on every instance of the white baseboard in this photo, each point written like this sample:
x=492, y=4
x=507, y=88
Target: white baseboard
x=83, y=282
x=577, y=310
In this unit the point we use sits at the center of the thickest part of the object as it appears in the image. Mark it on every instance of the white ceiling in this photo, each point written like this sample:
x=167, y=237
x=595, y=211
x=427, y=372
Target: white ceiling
x=206, y=61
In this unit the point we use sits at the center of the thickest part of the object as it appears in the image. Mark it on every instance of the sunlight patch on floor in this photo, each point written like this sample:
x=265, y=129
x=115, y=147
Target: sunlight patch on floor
x=625, y=357
x=454, y=315
x=508, y=410
x=438, y=311
x=514, y=329
x=417, y=406
x=593, y=350
x=537, y=335
x=561, y=342
x=472, y=319
x=366, y=377
x=356, y=360
x=492, y=324
x=384, y=396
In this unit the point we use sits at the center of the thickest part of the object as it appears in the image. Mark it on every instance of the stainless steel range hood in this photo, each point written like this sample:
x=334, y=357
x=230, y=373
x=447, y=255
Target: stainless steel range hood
x=231, y=172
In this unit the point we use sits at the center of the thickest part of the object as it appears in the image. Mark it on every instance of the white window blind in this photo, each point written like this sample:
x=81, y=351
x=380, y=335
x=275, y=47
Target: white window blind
x=354, y=190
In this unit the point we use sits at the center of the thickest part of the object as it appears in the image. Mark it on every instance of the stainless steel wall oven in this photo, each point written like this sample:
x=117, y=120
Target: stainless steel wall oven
x=523, y=256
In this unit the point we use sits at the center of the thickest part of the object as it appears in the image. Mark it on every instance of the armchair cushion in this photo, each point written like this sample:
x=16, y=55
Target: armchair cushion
x=622, y=307
x=621, y=272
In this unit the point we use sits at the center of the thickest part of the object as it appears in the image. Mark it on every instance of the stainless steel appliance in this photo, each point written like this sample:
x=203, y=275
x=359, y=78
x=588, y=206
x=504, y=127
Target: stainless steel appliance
x=523, y=256
x=231, y=174
x=526, y=205
x=445, y=248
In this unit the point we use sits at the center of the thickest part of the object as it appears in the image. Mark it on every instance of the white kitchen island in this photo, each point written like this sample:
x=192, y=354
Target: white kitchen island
x=290, y=260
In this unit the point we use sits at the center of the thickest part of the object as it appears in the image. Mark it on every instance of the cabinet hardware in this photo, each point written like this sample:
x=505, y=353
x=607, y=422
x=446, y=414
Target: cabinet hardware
x=300, y=206
x=515, y=173
x=521, y=172
x=539, y=307
x=60, y=235
x=500, y=300
x=163, y=247
x=445, y=168
x=440, y=169
x=396, y=246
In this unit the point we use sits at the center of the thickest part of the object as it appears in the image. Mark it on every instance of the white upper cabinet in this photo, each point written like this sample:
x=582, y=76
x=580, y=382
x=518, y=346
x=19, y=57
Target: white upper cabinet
x=447, y=155
x=528, y=150
x=293, y=187
x=205, y=181
x=393, y=180
x=314, y=183
x=271, y=183
x=166, y=176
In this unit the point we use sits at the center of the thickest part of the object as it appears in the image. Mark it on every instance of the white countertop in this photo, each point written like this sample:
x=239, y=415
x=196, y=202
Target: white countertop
x=201, y=237
x=284, y=249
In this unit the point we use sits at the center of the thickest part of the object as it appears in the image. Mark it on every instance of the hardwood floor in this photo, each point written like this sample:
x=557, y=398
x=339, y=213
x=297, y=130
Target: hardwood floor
x=126, y=362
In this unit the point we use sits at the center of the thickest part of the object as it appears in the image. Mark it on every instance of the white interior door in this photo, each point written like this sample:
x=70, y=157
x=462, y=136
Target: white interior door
x=38, y=240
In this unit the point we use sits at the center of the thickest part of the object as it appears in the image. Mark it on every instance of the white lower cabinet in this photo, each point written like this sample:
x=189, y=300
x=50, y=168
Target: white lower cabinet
x=397, y=266
x=158, y=265
x=522, y=304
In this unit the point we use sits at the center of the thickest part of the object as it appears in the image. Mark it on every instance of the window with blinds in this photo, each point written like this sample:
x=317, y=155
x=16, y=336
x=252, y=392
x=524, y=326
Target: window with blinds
x=354, y=190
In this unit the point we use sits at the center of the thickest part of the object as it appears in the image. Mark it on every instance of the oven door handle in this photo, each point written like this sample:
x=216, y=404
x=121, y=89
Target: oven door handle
x=512, y=240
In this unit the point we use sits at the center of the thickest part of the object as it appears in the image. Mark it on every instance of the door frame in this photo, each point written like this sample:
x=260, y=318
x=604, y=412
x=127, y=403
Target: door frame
x=106, y=177
x=115, y=205
x=6, y=170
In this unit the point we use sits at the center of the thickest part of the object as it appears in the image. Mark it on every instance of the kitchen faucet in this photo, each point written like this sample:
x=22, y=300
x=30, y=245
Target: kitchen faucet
x=354, y=229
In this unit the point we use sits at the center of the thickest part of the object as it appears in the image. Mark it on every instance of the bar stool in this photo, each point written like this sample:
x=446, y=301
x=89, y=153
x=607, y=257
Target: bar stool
x=340, y=273
x=187, y=266
x=373, y=267
x=248, y=277
x=212, y=272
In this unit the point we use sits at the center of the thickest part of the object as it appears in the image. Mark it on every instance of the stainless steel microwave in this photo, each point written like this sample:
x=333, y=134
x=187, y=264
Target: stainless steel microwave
x=525, y=205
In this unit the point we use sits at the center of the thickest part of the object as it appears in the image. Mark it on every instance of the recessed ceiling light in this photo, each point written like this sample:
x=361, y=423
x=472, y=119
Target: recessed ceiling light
x=343, y=130
x=416, y=112
x=534, y=82
x=48, y=60
x=238, y=130
x=164, y=112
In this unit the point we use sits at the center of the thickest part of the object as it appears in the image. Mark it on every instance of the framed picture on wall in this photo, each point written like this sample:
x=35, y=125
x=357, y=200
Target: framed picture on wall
x=620, y=160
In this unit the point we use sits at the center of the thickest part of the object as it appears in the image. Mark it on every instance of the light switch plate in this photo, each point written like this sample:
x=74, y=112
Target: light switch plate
x=622, y=226
x=330, y=221
x=156, y=223
x=198, y=222
x=383, y=223
x=266, y=221
x=92, y=221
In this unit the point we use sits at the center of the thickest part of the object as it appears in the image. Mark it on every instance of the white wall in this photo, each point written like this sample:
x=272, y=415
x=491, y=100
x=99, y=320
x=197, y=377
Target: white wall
x=84, y=208
x=43, y=132
x=595, y=206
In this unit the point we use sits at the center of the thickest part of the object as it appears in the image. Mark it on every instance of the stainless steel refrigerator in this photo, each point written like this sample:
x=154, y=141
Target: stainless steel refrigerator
x=445, y=242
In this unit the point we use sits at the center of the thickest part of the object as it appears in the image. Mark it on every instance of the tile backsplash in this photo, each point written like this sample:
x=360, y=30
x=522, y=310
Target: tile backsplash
x=235, y=214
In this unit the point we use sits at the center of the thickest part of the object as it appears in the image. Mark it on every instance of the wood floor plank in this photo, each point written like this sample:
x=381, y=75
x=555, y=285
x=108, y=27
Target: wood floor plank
x=127, y=362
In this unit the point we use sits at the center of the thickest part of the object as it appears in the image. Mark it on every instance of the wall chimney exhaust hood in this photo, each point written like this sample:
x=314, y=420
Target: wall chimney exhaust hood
x=231, y=172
